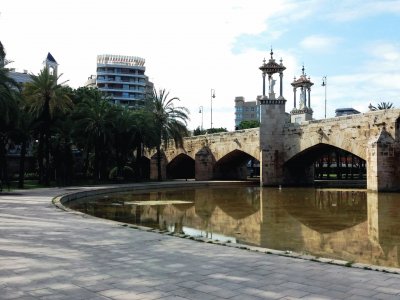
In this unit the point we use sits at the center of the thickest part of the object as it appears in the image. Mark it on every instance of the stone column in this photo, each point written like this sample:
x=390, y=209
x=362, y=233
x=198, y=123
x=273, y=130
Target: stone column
x=263, y=75
x=382, y=163
x=294, y=96
x=273, y=118
x=204, y=164
x=280, y=85
x=154, y=167
x=309, y=97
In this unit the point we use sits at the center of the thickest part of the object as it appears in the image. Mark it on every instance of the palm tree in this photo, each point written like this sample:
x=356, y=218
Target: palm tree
x=94, y=123
x=381, y=106
x=169, y=121
x=9, y=95
x=45, y=97
x=125, y=133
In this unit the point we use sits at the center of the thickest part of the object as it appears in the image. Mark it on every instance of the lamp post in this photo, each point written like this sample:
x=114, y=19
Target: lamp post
x=212, y=96
x=201, y=112
x=324, y=84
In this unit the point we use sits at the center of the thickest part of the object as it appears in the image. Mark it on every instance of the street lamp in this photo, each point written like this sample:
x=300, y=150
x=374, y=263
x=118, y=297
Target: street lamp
x=212, y=96
x=324, y=84
x=201, y=112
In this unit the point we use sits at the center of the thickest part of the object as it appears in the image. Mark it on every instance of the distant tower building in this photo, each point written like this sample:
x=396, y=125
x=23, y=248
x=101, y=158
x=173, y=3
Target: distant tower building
x=51, y=64
x=122, y=78
x=303, y=111
x=246, y=111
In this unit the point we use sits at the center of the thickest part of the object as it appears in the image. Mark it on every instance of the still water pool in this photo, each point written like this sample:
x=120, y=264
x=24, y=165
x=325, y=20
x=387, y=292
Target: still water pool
x=352, y=225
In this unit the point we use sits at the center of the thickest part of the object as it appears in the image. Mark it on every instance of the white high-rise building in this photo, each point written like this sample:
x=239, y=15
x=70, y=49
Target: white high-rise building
x=123, y=79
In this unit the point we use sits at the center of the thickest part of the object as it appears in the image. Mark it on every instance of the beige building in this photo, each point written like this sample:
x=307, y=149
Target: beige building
x=246, y=111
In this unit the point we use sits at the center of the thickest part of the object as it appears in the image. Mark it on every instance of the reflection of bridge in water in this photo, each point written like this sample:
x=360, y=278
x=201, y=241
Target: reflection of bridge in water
x=350, y=225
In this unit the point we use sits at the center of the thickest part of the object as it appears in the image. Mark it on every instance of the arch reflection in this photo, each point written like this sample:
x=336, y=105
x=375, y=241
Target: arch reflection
x=351, y=225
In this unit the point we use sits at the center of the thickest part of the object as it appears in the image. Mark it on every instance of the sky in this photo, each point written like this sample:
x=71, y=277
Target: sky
x=192, y=47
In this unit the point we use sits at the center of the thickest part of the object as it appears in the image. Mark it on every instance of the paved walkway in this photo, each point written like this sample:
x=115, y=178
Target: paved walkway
x=47, y=253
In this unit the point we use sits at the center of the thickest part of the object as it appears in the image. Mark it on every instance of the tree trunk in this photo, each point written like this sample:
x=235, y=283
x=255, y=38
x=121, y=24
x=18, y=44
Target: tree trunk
x=159, y=175
x=40, y=157
x=22, y=165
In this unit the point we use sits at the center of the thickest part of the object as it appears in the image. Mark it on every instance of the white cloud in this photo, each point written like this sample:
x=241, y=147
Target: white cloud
x=187, y=47
x=319, y=43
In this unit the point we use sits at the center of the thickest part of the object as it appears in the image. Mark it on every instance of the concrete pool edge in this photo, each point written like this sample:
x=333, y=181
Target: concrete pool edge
x=60, y=200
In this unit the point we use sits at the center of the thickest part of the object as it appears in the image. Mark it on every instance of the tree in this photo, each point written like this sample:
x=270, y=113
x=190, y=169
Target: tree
x=169, y=121
x=45, y=97
x=216, y=130
x=124, y=133
x=381, y=106
x=9, y=97
x=249, y=124
x=94, y=123
x=199, y=131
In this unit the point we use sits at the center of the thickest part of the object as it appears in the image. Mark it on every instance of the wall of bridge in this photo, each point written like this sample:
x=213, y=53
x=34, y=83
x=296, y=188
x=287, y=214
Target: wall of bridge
x=209, y=153
x=372, y=136
x=351, y=133
x=287, y=151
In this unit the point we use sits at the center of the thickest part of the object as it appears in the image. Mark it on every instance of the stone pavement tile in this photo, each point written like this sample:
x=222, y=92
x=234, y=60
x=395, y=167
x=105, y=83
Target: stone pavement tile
x=339, y=287
x=357, y=297
x=295, y=293
x=41, y=292
x=363, y=285
x=192, y=294
x=231, y=286
x=147, y=296
x=313, y=289
x=389, y=290
x=247, y=297
x=189, y=284
x=10, y=293
x=98, y=297
x=215, y=282
x=205, y=288
x=333, y=294
x=225, y=293
x=379, y=282
x=98, y=287
x=269, y=295
x=173, y=298
x=113, y=292
x=251, y=291
x=316, y=297
x=167, y=287
x=362, y=292
x=382, y=296
x=55, y=297
x=294, y=285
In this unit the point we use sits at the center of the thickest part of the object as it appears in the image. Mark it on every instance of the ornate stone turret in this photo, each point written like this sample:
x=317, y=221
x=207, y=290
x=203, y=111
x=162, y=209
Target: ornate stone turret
x=304, y=111
x=272, y=120
x=271, y=68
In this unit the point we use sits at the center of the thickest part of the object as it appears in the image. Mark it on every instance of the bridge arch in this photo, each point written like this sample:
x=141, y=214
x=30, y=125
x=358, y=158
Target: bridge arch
x=320, y=162
x=233, y=165
x=181, y=167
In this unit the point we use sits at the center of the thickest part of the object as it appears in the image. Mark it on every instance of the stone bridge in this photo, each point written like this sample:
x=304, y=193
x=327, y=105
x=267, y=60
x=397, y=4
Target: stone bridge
x=372, y=136
x=287, y=151
x=212, y=156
